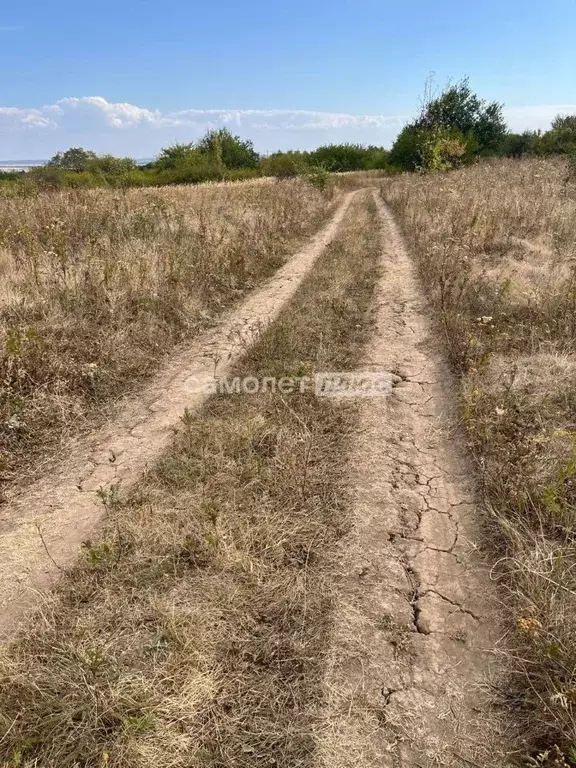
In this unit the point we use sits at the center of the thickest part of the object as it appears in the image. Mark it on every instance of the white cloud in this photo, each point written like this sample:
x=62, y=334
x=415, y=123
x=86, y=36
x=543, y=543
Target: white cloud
x=124, y=115
x=124, y=128
x=12, y=117
x=119, y=115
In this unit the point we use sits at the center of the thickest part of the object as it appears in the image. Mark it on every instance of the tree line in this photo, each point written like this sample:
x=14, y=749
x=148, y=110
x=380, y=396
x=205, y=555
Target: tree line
x=217, y=156
x=453, y=128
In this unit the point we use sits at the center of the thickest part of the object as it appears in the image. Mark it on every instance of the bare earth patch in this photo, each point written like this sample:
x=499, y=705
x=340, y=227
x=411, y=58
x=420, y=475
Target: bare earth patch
x=408, y=675
x=42, y=528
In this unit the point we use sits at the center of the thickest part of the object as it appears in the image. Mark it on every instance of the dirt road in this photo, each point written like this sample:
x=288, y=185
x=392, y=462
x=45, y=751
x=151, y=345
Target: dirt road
x=411, y=656
x=411, y=659
x=42, y=529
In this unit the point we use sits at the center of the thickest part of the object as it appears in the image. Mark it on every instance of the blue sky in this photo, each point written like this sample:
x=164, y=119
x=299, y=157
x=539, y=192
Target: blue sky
x=132, y=75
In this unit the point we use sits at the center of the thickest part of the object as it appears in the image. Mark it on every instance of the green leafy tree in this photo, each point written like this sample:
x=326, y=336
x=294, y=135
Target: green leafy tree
x=455, y=119
x=110, y=165
x=73, y=159
x=406, y=152
x=174, y=155
x=377, y=159
x=458, y=108
x=348, y=157
x=339, y=157
x=561, y=138
x=521, y=144
x=233, y=151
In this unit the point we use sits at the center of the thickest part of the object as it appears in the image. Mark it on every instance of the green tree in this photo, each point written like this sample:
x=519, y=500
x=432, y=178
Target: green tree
x=234, y=151
x=377, y=158
x=108, y=164
x=406, y=152
x=458, y=108
x=73, y=159
x=446, y=122
x=174, y=155
x=521, y=144
x=561, y=138
x=339, y=157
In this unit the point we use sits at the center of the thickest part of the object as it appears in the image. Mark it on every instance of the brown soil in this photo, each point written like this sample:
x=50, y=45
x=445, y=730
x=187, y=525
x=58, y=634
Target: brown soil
x=413, y=650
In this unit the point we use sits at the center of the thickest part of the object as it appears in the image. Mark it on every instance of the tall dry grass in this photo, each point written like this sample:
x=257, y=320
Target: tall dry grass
x=496, y=247
x=97, y=286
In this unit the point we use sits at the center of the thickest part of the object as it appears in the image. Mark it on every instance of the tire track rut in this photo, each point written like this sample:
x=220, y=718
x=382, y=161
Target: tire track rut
x=409, y=674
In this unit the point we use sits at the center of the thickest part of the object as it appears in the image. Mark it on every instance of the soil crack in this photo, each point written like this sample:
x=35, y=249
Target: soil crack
x=415, y=516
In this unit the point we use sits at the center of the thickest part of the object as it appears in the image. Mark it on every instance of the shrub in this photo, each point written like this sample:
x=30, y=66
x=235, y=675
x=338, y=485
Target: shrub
x=406, y=151
x=318, y=177
x=194, y=169
x=283, y=165
x=173, y=156
x=342, y=158
x=520, y=144
x=561, y=138
x=442, y=149
x=233, y=151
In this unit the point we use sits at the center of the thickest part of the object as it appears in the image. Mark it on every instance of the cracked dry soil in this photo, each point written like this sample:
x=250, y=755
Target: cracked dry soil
x=409, y=672
x=43, y=527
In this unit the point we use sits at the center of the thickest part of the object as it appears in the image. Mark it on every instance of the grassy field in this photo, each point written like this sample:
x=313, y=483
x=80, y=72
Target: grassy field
x=96, y=286
x=496, y=247
x=194, y=632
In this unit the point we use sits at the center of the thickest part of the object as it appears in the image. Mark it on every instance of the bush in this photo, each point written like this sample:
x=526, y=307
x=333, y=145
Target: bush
x=233, y=151
x=342, y=158
x=377, y=159
x=195, y=169
x=283, y=165
x=48, y=177
x=406, y=153
x=443, y=149
x=138, y=177
x=561, y=138
x=318, y=177
x=521, y=144
x=173, y=156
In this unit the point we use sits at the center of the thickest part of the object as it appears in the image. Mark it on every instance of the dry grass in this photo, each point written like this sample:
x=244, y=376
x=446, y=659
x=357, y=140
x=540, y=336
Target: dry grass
x=96, y=286
x=193, y=633
x=496, y=245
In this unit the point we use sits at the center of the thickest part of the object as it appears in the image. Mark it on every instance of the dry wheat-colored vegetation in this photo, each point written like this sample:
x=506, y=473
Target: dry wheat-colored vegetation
x=496, y=247
x=193, y=632
x=97, y=285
